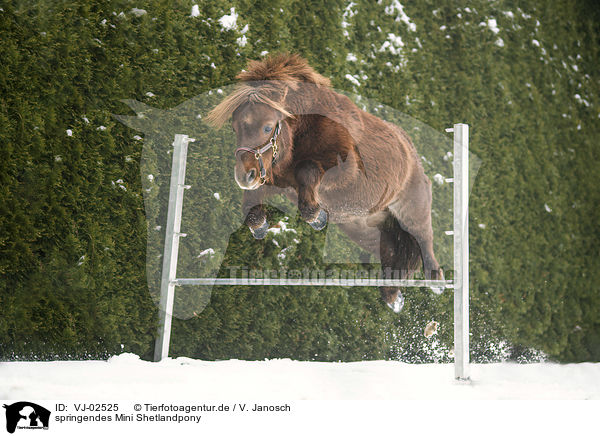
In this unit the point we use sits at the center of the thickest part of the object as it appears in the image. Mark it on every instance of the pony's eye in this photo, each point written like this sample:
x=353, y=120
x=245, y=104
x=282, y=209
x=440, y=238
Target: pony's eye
x=267, y=129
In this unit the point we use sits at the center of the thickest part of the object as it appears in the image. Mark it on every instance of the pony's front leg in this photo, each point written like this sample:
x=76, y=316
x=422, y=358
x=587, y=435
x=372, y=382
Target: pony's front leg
x=308, y=176
x=255, y=216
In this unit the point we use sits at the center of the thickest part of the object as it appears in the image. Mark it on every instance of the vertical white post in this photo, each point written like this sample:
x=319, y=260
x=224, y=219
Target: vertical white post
x=461, y=251
x=171, y=250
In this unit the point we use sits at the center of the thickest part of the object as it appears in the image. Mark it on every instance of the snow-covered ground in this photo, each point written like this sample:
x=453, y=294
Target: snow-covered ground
x=133, y=385
x=284, y=379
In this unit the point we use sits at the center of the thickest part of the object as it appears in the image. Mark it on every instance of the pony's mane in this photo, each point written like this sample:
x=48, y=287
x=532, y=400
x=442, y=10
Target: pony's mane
x=283, y=67
x=275, y=70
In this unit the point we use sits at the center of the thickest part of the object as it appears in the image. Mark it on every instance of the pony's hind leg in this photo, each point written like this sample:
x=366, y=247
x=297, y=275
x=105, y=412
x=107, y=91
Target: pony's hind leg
x=414, y=216
x=399, y=254
x=397, y=250
x=308, y=176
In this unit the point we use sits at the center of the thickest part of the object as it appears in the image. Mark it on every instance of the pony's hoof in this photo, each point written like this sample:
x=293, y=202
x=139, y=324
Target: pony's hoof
x=398, y=304
x=437, y=274
x=320, y=222
x=260, y=232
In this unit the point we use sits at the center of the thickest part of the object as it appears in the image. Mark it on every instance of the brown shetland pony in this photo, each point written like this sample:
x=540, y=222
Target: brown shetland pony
x=339, y=163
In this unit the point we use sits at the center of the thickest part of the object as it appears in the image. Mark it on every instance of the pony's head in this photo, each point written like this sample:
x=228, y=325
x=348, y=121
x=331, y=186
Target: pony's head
x=259, y=142
x=261, y=109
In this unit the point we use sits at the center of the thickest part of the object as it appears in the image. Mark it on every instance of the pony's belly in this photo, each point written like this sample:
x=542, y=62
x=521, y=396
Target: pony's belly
x=345, y=205
x=344, y=208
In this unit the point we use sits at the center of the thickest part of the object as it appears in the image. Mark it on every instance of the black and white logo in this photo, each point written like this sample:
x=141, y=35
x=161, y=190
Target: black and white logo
x=26, y=415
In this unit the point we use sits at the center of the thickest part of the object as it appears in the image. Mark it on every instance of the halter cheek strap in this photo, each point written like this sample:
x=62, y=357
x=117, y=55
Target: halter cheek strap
x=258, y=152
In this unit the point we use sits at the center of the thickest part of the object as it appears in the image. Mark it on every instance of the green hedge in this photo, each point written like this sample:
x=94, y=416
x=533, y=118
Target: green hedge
x=73, y=227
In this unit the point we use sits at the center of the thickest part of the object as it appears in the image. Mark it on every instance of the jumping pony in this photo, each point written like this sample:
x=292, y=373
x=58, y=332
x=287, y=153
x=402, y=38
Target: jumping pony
x=339, y=164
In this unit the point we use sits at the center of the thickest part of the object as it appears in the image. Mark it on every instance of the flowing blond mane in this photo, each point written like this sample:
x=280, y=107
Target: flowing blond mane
x=264, y=82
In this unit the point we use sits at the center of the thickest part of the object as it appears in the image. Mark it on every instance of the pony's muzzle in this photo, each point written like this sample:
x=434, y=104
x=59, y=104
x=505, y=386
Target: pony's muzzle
x=246, y=179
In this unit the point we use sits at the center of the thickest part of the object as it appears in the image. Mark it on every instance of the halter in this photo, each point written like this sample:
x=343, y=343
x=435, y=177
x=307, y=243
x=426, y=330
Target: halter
x=258, y=152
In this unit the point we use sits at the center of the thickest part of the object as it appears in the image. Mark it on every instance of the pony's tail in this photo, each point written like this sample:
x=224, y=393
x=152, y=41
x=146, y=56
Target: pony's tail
x=406, y=258
x=408, y=253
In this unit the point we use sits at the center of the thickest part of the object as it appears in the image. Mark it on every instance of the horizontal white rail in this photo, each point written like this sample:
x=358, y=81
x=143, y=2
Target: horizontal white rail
x=313, y=282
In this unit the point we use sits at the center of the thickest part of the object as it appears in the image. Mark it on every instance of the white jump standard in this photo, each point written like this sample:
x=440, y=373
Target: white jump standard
x=460, y=284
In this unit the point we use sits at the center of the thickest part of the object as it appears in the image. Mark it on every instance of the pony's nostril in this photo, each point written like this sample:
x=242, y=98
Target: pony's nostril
x=251, y=175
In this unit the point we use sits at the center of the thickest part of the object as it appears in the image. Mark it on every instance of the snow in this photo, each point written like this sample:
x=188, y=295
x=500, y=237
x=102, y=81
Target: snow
x=138, y=12
x=281, y=226
x=229, y=22
x=120, y=184
x=314, y=391
x=242, y=41
x=439, y=179
x=353, y=79
x=397, y=9
x=394, y=44
x=348, y=13
x=493, y=25
x=195, y=11
x=282, y=254
x=526, y=16
x=582, y=100
x=208, y=252
x=185, y=378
